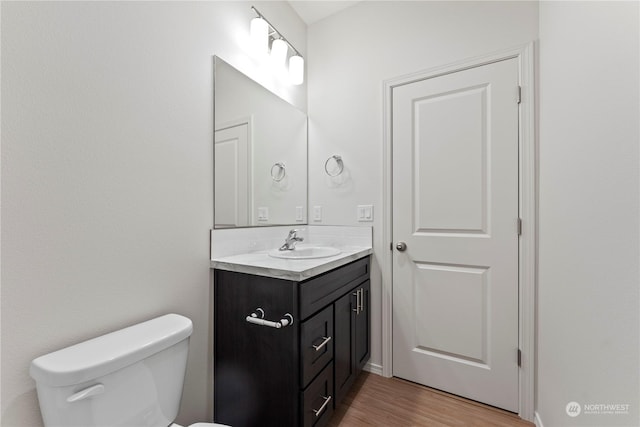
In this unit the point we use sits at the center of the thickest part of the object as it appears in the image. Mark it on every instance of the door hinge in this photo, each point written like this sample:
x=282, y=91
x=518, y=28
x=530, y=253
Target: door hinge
x=519, y=94
x=519, y=226
x=519, y=357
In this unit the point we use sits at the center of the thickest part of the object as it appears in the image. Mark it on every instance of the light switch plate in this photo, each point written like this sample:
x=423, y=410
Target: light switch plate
x=299, y=213
x=317, y=213
x=263, y=214
x=365, y=213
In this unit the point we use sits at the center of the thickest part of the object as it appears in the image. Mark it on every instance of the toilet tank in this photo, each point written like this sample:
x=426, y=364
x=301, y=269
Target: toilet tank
x=130, y=377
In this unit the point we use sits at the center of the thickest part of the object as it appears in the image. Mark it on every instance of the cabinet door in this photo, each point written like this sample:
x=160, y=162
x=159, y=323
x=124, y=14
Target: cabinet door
x=363, y=327
x=344, y=330
x=256, y=367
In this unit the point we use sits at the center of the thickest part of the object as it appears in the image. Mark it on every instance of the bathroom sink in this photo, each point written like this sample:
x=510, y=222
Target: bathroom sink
x=305, y=252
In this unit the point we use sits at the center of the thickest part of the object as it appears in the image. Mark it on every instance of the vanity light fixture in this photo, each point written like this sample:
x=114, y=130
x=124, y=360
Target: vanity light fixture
x=264, y=34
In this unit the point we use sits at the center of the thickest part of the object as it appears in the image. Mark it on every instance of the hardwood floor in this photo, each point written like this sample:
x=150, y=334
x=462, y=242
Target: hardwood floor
x=378, y=401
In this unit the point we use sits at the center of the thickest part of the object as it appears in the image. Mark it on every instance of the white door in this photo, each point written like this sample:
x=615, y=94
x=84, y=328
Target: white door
x=455, y=206
x=232, y=177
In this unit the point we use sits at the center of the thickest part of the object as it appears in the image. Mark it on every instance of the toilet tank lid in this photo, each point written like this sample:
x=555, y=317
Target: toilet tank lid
x=108, y=353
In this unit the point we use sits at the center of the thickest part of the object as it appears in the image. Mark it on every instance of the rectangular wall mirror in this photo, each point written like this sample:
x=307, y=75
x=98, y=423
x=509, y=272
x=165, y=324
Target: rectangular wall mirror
x=260, y=154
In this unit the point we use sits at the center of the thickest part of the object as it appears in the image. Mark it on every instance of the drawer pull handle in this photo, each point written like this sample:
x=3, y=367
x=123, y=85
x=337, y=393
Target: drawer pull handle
x=322, y=344
x=257, y=318
x=324, y=405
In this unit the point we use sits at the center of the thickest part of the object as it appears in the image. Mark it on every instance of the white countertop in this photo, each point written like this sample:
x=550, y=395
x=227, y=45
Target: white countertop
x=261, y=264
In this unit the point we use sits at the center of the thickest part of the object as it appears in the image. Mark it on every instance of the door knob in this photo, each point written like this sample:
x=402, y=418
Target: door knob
x=401, y=246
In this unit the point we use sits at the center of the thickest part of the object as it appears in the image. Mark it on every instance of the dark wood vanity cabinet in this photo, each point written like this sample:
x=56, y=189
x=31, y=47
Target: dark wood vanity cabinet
x=292, y=375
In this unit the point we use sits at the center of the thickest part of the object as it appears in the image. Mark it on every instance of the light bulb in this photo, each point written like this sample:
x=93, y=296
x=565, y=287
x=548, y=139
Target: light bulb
x=259, y=36
x=278, y=52
x=296, y=69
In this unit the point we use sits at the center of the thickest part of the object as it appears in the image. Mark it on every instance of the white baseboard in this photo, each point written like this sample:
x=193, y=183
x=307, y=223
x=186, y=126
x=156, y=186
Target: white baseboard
x=373, y=368
x=537, y=421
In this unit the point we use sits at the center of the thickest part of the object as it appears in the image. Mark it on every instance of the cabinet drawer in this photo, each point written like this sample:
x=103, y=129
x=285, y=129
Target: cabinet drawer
x=317, y=399
x=316, y=293
x=316, y=344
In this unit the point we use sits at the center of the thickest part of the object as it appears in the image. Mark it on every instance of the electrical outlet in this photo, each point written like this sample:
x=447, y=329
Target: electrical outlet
x=299, y=213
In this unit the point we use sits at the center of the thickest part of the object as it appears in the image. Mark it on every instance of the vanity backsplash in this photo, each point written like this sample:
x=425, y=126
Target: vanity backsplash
x=228, y=242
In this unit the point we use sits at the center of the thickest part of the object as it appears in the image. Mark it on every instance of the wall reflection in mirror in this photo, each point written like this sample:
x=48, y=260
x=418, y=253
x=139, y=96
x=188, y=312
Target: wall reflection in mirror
x=260, y=154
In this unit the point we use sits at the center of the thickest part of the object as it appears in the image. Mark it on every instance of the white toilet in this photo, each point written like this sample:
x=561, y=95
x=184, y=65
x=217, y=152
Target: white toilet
x=130, y=377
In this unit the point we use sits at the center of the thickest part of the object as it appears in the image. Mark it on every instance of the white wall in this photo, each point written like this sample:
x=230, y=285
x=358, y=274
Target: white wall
x=588, y=327
x=107, y=139
x=351, y=54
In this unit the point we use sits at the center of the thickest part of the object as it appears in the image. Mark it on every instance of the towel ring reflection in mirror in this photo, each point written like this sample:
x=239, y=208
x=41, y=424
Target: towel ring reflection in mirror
x=278, y=172
x=336, y=169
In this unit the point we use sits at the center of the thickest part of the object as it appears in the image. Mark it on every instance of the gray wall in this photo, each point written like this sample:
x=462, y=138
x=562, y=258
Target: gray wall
x=106, y=170
x=107, y=139
x=351, y=54
x=588, y=165
x=588, y=324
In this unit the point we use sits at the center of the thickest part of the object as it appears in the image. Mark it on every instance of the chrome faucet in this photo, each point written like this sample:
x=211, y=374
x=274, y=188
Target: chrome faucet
x=291, y=240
